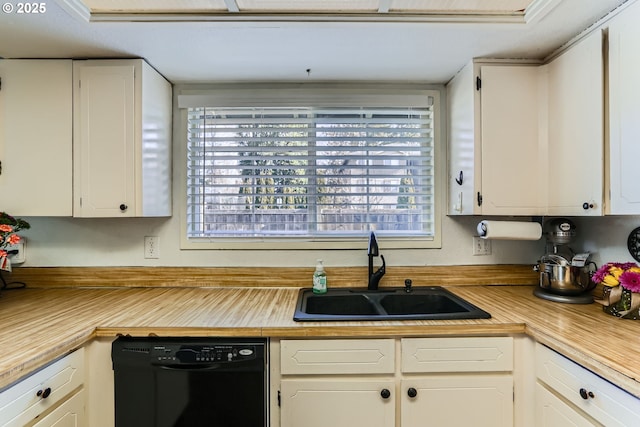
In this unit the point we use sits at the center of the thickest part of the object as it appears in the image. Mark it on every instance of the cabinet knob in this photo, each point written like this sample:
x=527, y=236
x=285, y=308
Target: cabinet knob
x=586, y=394
x=123, y=207
x=44, y=393
x=385, y=393
x=587, y=205
x=412, y=392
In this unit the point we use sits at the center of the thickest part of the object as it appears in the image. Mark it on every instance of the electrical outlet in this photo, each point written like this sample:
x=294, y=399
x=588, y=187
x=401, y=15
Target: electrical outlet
x=481, y=246
x=151, y=247
x=17, y=252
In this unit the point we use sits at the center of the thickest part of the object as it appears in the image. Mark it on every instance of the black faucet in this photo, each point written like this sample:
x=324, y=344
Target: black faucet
x=372, y=251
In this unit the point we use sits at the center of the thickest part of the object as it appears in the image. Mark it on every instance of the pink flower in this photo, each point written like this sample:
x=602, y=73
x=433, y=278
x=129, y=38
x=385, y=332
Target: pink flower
x=630, y=280
x=3, y=253
x=13, y=239
x=598, y=276
x=6, y=228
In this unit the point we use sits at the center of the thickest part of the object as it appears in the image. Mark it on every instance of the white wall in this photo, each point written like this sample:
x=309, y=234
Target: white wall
x=606, y=238
x=120, y=242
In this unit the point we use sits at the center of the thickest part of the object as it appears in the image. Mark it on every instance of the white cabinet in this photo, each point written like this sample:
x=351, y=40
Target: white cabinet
x=574, y=166
x=567, y=391
x=529, y=139
x=48, y=391
x=362, y=382
x=624, y=110
x=494, y=127
x=551, y=411
x=440, y=373
x=337, y=402
x=69, y=414
x=122, y=139
x=487, y=400
x=36, y=137
x=324, y=382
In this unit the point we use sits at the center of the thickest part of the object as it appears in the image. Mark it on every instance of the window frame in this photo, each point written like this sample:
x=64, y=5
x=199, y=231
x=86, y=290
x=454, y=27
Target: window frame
x=198, y=94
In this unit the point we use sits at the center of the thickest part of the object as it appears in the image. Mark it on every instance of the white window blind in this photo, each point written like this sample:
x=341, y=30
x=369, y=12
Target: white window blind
x=310, y=172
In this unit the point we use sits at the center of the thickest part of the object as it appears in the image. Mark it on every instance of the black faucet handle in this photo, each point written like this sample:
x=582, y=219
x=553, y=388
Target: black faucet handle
x=382, y=268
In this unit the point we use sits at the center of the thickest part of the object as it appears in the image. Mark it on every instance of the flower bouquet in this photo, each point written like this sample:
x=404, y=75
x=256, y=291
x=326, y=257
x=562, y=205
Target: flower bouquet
x=9, y=226
x=621, y=289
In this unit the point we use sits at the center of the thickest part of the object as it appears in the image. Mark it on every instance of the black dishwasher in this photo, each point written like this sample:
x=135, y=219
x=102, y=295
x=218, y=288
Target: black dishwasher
x=190, y=382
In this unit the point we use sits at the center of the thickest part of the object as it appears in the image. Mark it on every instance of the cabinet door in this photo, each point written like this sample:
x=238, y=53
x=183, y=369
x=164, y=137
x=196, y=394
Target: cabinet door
x=457, y=401
x=69, y=414
x=551, y=411
x=624, y=110
x=36, y=137
x=511, y=159
x=104, y=139
x=575, y=158
x=463, y=144
x=337, y=402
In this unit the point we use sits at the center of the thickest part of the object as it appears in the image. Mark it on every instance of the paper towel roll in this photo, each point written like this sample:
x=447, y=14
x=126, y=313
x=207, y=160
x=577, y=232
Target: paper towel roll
x=509, y=230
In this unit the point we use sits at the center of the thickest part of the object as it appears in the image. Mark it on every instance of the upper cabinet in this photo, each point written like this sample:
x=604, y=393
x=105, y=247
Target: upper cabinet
x=493, y=140
x=624, y=113
x=574, y=165
x=529, y=139
x=36, y=137
x=122, y=139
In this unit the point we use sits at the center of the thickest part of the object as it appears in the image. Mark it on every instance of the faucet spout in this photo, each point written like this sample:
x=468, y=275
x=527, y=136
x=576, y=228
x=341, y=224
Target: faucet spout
x=373, y=251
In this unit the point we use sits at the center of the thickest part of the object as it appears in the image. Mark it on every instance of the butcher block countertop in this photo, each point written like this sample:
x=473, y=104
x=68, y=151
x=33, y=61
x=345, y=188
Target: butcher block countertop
x=42, y=323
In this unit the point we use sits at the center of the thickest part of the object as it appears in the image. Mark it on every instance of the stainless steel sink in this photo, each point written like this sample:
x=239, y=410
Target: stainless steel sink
x=420, y=303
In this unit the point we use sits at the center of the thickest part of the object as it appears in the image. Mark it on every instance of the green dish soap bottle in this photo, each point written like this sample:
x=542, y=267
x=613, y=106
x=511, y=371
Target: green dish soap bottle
x=319, y=279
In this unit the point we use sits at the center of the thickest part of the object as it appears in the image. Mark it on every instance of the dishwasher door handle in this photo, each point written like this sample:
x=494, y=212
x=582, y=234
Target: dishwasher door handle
x=190, y=367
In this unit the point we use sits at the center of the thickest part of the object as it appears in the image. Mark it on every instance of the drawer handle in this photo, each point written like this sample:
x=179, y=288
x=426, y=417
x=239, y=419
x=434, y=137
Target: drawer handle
x=412, y=392
x=586, y=394
x=385, y=393
x=44, y=393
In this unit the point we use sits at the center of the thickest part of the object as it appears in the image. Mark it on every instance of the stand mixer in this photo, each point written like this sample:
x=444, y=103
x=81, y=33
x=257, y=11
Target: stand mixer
x=564, y=275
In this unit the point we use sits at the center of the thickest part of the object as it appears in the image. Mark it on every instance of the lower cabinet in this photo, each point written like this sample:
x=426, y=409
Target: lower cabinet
x=405, y=382
x=438, y=400
x=69, y=414
x=338, y=402
x=569, y=395
x=552, y=411
x=52, y=396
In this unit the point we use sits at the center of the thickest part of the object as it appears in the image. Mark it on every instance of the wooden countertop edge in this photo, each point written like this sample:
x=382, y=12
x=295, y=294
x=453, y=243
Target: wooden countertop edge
x=28, y=367
x=614, y=376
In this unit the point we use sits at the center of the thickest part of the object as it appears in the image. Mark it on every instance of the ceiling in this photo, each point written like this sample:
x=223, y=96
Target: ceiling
x=299, y=40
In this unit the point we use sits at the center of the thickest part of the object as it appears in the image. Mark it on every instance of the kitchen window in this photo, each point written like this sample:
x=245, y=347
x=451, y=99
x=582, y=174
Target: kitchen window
x=296, y=171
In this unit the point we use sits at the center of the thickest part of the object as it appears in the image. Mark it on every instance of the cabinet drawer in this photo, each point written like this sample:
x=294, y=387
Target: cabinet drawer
x=608, y=404
x=487, y=354
x=24, y=401
x=337, y=356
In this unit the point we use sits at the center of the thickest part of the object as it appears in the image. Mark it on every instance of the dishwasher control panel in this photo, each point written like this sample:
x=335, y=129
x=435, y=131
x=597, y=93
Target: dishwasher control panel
x=191, y=354
x=174, y=351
